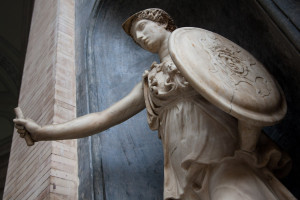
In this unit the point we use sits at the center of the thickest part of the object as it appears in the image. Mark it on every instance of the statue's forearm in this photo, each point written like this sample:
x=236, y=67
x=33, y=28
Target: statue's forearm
x=80, y=127
x=96, y=122
x=249, y=135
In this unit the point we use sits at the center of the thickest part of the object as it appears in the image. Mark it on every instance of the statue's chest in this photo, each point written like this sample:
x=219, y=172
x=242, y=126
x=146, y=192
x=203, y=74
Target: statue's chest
x=165, y=79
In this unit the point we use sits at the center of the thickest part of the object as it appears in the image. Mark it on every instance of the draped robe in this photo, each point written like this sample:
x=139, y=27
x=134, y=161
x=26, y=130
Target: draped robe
x=202, y=159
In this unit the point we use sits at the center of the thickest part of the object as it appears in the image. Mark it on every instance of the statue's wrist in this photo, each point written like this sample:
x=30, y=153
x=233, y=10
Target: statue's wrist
x=40, y=134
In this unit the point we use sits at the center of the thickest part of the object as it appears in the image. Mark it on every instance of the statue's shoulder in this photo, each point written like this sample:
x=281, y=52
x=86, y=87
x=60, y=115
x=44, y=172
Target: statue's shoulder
x=227, y=75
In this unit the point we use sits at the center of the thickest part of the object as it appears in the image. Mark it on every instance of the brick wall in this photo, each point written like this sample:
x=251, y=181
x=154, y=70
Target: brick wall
x=47, y=170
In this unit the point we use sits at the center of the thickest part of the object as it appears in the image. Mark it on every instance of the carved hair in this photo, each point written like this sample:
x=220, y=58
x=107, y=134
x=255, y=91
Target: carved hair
x=158, y=16
x=154, y=14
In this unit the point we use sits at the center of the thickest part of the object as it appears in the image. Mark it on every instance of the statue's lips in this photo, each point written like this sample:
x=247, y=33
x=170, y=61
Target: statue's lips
x=145, y=41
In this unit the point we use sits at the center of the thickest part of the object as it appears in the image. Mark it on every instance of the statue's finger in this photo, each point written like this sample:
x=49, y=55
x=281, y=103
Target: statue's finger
x=22, y=135
x=19, y=127
x=21, y=131
x=20, y=122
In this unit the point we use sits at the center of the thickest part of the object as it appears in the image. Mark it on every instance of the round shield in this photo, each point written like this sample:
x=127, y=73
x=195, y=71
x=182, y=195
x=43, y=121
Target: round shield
x=227, y=75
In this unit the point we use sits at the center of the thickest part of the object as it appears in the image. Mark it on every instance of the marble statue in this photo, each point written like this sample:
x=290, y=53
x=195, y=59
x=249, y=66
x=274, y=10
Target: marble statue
x=209, y=99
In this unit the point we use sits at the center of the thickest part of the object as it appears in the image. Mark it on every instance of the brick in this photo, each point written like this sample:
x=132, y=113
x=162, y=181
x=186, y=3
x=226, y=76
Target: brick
x=48, y=96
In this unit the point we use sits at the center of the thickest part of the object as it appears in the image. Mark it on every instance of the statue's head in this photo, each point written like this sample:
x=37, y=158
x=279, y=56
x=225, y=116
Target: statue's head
x=156, y=15
x=148, y=27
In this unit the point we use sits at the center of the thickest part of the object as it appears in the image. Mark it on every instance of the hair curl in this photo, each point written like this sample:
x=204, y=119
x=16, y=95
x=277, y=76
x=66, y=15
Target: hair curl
x=159, y=16
x=154, y=14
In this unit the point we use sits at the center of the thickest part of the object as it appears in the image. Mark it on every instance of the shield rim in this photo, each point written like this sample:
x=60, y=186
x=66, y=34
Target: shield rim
x=239, y=112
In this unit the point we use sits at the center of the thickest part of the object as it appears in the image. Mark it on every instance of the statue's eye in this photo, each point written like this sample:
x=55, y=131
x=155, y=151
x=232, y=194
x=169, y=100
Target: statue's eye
x=141, y=26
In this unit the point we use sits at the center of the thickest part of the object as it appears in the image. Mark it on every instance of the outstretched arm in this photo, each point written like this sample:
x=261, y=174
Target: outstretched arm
x=89, y=124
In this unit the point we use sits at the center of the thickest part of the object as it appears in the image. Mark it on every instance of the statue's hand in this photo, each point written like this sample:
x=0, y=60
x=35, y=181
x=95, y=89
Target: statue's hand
x=27, y=126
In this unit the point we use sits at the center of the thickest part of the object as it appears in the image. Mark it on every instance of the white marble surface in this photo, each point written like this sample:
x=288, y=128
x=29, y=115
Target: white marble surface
x=228, y=76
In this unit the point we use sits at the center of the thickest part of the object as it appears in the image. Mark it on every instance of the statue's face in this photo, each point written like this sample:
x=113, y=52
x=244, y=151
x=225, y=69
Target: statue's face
x=148, y=34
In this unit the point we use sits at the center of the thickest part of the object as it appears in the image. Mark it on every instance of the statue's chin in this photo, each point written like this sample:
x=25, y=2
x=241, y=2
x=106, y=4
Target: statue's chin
x=151, y=47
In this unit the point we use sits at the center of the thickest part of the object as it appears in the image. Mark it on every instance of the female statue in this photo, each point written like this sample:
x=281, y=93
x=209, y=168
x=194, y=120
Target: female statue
x=203, y=158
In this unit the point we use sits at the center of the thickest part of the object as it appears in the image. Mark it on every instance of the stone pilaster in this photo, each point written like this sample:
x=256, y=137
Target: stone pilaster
x=47, y=170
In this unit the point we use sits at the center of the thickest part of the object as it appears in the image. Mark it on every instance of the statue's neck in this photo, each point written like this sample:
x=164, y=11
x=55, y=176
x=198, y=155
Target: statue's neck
x=163, y=52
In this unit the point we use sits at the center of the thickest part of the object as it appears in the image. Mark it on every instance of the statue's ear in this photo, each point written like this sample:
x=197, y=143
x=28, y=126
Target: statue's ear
x=161, y=24
x=165, y=25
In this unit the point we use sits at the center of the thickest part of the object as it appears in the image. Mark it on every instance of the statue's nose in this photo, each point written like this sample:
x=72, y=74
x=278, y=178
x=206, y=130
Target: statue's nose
x=139, y=36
